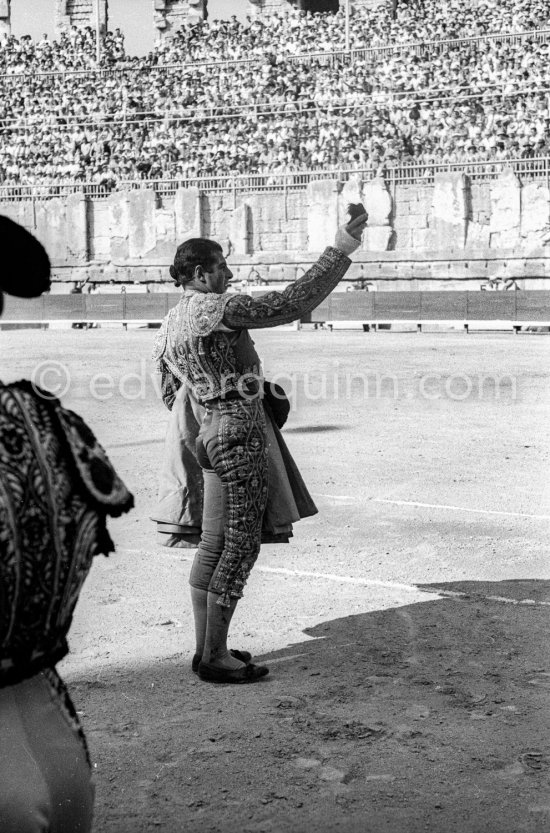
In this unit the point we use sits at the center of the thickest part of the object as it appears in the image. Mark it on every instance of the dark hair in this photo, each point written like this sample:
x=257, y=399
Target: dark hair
x=199, y=251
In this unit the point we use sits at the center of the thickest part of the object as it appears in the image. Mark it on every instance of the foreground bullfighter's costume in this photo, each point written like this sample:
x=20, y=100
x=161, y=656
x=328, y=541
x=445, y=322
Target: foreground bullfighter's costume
x=56, y=490
x=204, y=346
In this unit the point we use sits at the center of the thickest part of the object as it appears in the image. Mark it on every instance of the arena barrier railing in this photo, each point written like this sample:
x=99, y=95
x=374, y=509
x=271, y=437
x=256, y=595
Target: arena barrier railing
x=326, y=57
x=48, y=191
x=517, y=309
x=416, y=173
x=477, y=170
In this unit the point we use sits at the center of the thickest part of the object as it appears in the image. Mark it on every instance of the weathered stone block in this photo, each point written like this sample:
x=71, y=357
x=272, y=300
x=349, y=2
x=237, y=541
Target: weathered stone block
x=240, y=229
x=535, y=212
x=99, y=243
x=536, y=268
x=495, y=267
x=289, y=273
x=271, y=210
x=477, y=235
x=378, y=202
x=422, y=239
x=533, y=240
x=51, y=229
x=401, y=229
x=187, y=206
x=418, y=221
x=322, y=200
x=96, y=274
x=275, y=273
x=505, y=210
x=140, y=274
x=536, y=283
x=497, y=240
x=448, y=236
x=421, y=270
x=449, y=210
x=403, y=238
x=295, y=242
x=376, y=238
x=166, y=225
x=142, y=236
x=119, y=224
x=272, y=242
x=77, y=228
x=14, y=211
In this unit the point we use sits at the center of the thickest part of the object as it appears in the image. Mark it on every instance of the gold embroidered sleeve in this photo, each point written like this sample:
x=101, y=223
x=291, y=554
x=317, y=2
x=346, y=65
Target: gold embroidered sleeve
x=274, y=308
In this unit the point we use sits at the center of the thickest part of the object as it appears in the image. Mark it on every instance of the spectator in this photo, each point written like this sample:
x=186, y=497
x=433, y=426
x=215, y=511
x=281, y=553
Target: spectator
x=488, y=99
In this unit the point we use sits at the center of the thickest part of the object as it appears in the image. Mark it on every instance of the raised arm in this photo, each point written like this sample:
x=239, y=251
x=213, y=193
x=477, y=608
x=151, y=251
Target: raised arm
x=302, y=296
x=274, y=308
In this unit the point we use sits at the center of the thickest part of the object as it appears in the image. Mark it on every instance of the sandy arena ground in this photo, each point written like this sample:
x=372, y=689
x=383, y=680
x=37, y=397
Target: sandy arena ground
x=406, y=626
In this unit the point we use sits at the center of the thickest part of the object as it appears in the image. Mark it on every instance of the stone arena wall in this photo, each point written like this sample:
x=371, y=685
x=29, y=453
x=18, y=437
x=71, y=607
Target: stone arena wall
x=452, y=234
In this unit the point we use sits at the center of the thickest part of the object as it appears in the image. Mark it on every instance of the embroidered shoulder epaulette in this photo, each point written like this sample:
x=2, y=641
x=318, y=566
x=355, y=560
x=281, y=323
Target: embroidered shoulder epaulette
x=204, y=313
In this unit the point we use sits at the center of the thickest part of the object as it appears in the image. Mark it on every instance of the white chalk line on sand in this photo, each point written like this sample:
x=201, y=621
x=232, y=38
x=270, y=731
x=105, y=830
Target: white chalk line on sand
x=364, y=582
x=367, y=582
x=345, y=498
x=460, y=508
x=460, y=594
x=445, y=506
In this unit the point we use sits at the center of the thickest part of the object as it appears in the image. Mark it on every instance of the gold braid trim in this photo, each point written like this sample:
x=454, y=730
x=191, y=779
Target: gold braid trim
x=275, y=308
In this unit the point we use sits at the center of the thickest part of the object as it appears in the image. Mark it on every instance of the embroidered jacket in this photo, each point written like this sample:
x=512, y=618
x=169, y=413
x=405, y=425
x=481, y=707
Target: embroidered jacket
x=204, y=339
x=56, y=489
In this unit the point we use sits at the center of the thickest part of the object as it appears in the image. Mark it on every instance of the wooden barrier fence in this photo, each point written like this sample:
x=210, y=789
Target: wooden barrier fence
x=518, y=308
x=116, y=308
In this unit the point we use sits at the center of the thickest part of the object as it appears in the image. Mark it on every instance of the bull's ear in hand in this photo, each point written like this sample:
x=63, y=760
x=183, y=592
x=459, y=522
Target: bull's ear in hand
x=355, y=210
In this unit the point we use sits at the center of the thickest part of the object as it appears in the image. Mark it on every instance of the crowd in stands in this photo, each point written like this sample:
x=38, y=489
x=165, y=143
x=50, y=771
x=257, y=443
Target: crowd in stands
x=74, y=50
x=291, y=33
x=140, y=119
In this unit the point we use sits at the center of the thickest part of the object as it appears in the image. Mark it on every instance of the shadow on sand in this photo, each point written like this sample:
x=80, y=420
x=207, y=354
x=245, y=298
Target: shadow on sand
x=427, y=717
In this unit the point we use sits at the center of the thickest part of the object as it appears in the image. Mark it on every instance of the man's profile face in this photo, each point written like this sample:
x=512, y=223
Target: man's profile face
x=219, y=275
